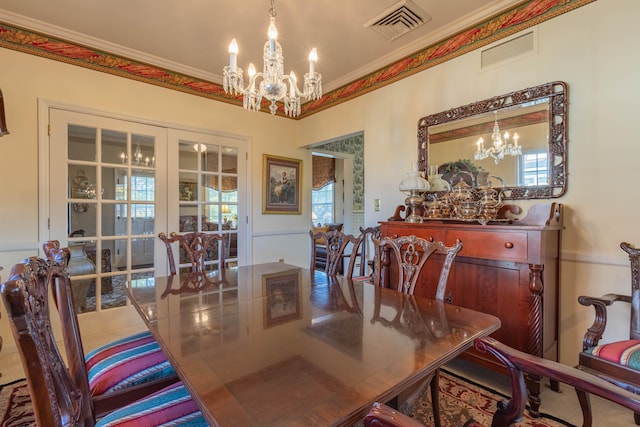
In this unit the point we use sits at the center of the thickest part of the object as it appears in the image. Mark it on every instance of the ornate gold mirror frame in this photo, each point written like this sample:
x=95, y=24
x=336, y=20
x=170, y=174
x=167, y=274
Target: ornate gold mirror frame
x=555, y=94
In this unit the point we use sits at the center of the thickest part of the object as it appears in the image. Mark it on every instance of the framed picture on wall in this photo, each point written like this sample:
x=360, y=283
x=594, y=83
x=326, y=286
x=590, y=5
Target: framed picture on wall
x=188, y=191
x=281, y=185
x=282, y=302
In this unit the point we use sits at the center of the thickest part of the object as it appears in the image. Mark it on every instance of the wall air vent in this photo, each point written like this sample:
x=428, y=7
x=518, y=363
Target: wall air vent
x=508, y=50
x=398, y=20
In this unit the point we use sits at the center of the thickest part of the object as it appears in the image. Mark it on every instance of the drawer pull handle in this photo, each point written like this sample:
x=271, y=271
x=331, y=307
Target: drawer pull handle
x=508, y=245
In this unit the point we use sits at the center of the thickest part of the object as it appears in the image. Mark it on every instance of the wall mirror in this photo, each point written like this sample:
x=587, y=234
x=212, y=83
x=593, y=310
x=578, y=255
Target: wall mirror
x=516, y=142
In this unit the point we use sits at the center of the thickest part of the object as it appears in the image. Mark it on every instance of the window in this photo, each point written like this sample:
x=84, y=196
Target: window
x=534, y=168
x=322, y=204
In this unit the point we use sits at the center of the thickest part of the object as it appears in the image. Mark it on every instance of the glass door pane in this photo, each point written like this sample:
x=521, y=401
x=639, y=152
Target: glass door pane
x=208, y=183
x=109, y=209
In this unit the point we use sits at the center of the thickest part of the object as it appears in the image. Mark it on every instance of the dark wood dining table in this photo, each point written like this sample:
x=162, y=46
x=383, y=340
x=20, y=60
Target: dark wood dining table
x=278, y=345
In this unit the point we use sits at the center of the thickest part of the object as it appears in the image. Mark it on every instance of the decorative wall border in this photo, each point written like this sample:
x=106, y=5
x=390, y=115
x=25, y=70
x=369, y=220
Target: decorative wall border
x=510, y=21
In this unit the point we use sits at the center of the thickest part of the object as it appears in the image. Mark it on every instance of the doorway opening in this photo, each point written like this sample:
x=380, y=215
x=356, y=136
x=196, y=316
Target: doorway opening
x=348, y=190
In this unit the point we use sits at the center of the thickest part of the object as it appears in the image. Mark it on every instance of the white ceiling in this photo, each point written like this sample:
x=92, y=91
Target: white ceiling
x=192, y=36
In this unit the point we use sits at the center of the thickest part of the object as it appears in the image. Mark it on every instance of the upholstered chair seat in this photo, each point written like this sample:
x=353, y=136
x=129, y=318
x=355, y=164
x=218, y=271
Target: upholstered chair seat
x=625, y=353
x=130, y=361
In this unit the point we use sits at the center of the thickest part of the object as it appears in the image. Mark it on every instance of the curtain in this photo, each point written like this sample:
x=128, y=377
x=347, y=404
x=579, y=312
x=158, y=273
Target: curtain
x=324, y=171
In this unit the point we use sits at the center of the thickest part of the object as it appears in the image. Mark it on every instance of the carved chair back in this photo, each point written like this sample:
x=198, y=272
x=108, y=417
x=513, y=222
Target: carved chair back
x=364, y=250
x=335, y=243
x=197, y=248
x=410, y=254
x=59, y=396
x=634, y=260
x=134, y=383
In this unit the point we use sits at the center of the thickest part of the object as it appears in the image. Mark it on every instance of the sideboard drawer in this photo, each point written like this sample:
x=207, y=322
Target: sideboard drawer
x=507, y=246
x=437, y=234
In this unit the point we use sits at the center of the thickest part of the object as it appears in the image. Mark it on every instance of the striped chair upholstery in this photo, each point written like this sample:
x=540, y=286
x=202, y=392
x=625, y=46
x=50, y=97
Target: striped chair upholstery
x=59, y=396
x=130, y=361
x=625, y=353
x=170, y=406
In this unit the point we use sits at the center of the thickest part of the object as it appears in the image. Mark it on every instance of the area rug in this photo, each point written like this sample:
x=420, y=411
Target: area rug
x=15, y=405
x=462, y=399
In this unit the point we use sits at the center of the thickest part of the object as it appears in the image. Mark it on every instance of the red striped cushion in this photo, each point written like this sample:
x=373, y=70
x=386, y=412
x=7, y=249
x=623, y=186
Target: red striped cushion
x=626, y=353
x=170, y=406
x=133, y=360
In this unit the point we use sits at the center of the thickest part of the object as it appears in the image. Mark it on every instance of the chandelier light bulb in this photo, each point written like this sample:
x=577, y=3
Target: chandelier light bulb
x=233, y=54
x=251, y=70
x=272, y=32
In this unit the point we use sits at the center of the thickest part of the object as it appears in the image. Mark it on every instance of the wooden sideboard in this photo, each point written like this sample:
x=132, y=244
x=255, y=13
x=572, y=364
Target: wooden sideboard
x=510, y=270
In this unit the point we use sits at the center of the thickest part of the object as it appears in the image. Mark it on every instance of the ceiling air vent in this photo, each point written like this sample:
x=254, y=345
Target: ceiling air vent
x=398, y=20
x=508, y=50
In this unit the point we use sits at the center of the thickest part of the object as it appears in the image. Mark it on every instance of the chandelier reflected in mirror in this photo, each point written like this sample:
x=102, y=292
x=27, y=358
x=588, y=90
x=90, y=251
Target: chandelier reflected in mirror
x=274, y=85
x=501, y=146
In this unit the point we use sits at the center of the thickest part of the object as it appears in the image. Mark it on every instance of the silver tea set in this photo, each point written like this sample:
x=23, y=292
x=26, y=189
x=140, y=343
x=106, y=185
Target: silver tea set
x=464, y=202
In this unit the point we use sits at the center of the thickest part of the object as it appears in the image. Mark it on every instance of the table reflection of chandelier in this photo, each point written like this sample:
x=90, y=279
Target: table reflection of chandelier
x=500, y=147
x=275, y=85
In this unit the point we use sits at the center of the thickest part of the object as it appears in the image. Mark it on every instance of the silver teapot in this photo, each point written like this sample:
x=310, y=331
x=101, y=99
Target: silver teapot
x=490, y=203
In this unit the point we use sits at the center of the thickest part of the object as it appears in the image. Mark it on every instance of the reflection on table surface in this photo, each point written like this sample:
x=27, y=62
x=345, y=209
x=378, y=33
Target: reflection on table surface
x=273, y=344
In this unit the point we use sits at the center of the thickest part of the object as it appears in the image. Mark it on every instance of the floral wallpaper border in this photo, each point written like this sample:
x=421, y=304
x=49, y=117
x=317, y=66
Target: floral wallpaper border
x=517, y=18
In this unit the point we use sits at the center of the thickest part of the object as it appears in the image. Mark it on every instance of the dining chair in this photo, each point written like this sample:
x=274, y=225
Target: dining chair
x=332, y=247
x=518, y=364
x=364, y=251
x=197, y=248
x=410, y=255
x=61, y=396
x=118, y=372
x=618, y=361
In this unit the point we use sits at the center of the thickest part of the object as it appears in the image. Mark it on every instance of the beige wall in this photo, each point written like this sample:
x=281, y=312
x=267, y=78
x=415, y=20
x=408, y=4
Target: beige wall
x=25, y=80
x=592, y=49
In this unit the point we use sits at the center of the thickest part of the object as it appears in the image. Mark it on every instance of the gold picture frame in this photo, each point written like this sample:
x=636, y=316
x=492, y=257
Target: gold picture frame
x=281, y=181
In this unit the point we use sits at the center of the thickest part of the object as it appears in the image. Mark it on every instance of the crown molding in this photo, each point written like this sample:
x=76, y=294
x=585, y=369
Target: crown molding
x=18, y=33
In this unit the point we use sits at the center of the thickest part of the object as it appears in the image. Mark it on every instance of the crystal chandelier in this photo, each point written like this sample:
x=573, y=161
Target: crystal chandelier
x=275, y=85
x=138, y=159
x=500, y=147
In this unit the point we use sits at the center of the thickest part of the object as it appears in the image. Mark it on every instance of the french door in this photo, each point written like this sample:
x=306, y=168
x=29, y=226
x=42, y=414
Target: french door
x=114, y=184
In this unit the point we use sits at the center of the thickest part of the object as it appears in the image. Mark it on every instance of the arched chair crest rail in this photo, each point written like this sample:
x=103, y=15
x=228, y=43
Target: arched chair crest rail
x=197, y=248
x=518, y=364
x=410, y=254
x=617, y=362
x=117, y=372
x=60, y=396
